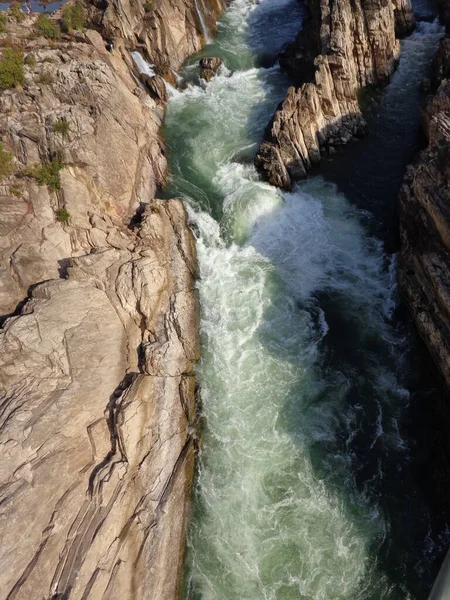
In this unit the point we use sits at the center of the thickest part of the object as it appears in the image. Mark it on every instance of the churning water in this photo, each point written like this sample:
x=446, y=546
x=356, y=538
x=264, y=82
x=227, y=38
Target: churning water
x=305, y=487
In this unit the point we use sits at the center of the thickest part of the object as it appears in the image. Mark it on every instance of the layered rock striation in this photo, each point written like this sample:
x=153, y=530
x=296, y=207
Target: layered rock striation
x=424, y=269
x=100, y=326
x=343, y=48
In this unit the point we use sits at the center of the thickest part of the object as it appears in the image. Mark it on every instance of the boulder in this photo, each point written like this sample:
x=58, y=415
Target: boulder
x=209, y=67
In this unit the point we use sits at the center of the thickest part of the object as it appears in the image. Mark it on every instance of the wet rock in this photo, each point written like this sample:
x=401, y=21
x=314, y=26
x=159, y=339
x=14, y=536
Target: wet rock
x=209, y=67
x=156, y=86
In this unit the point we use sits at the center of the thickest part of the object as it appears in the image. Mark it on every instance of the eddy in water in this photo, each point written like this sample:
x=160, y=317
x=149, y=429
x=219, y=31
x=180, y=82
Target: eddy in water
x=305, y=486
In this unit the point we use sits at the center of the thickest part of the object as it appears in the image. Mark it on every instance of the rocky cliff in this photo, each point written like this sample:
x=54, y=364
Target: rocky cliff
x=424, y=272
x=166, y=31
x=100, y=320
x=343, y=48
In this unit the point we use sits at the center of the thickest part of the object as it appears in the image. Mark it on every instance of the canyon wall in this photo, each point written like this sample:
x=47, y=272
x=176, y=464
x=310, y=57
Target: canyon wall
x=424, y=269
x=166, y=31
x=343, y=48
x=100, y=321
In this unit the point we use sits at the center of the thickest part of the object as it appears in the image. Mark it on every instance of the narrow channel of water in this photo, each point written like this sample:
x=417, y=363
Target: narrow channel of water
x=306, y=485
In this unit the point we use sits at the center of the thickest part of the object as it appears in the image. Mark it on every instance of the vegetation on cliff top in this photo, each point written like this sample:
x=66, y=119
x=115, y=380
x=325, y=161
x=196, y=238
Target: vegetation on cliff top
x=16, y=13
x=48, y=28
x=73, y=17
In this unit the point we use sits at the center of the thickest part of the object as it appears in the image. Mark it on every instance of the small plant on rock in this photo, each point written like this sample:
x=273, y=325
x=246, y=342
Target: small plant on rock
x=48, y=28
x=11, y=69
x=30, y=60
x=62, y=215
x=6, y=167
x=16, y=13
x=46, y=78
x=73, y=17
x=61, y=126
x=48, y=173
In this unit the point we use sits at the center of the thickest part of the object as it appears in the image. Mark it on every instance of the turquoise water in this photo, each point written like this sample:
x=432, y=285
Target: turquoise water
x=305, y=487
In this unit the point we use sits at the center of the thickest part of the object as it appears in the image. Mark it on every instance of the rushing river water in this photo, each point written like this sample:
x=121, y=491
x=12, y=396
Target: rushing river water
x=306, y=485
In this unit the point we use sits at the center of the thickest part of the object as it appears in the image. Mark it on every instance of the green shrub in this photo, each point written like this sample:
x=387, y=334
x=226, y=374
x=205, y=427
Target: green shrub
x=48, y=28
x=3, y=22
x=48, y=174
x=61, y=126
x=62, y=215
x=16, y=12
x=46, y=78
x=73, y=17
x=6, y=167
x=148, y=6
x=11, y=69
x=30, y=60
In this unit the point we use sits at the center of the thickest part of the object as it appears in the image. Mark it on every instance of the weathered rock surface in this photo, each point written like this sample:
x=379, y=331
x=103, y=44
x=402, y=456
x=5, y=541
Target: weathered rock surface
x=344, y=47
x=97, y=286
x=112, y=155
x=97, y=415
x=209, y=66
x=424, y=270
x=167, y=31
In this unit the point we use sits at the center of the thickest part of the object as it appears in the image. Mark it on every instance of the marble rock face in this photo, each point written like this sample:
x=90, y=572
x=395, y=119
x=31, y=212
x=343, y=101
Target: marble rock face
x=343, y=47
x=99, y=315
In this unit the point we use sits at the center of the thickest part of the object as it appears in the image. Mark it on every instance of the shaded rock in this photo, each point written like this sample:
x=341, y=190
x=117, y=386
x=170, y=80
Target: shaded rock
x=405, y=21
x=209, y=67
x=424, y=267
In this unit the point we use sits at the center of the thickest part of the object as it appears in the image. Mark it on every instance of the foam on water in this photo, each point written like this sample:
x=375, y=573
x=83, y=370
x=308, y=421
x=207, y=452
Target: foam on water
x=281, y=510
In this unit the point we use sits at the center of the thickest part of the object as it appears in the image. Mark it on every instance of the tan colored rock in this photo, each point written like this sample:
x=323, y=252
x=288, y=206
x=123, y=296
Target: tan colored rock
x=97, y=409
x=112, y=155
x=98, y=454
x=167, y=32
x=343, y=48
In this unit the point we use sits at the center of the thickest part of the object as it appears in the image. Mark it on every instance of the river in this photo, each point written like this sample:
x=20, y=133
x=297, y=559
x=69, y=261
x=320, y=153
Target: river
x=307, y=485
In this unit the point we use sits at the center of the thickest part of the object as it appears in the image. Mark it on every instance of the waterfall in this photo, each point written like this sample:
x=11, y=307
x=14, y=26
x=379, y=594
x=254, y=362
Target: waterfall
x=148, y=69
x=203, y=26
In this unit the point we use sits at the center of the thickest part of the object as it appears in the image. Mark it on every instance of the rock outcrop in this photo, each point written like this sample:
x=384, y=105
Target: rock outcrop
x=343, y=48
x=97, y=421
x=99, y=320
x=166, y=31
x=209, y=66
x=424, y=269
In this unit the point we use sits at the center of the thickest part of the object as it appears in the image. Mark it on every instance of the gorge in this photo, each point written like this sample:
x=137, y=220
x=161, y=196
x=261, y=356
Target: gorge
x=307, y=484
x=316, y=414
